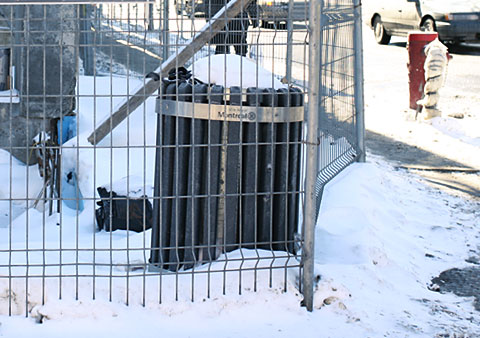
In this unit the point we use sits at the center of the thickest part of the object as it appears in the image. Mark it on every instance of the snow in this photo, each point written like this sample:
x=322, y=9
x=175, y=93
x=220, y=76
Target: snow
x=464, y=131
x=370, y=256
x=381, y=236
x=9, y=96
x=454, y=139
x=233, y=70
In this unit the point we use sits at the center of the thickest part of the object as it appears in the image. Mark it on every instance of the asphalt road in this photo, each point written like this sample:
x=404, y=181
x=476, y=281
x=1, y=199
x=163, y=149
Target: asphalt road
x=386, y=77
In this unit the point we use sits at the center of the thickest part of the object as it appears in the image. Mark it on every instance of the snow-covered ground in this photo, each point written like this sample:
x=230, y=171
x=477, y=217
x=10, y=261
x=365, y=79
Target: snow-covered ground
x=381, y=236
x=387, y=98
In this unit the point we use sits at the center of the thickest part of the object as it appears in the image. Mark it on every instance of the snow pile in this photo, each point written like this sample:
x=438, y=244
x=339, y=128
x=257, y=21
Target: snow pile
x=380, y=238
x=233, y=70
x=9, y=96
x=379, y=251
x=375, y=256
x=465, y=130
x=15, y=187
x=104, y=166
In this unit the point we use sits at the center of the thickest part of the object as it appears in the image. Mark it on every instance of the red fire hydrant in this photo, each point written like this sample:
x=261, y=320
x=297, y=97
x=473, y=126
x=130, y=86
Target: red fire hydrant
x=416, y=60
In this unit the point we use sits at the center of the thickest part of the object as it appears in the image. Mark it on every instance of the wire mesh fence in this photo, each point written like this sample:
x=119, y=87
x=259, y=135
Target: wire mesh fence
x=158, y=150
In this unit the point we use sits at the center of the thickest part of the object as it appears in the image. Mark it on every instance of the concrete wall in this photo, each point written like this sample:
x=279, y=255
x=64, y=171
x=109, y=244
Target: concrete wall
x=44, y=52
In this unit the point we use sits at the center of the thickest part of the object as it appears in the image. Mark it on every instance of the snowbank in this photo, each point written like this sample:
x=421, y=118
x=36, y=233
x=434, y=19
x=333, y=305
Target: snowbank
x=233, y=70
x=376, y=254
x=381, y=236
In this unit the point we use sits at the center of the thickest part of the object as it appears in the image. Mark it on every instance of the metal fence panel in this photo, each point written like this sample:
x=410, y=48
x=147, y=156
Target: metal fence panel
x=144, y=160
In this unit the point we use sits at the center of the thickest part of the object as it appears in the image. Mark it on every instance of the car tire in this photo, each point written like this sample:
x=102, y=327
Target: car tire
x=280, y=25
x=428, y=25
x=187, y=9
x=265, y=24
x=178, y=7
x=381, y=35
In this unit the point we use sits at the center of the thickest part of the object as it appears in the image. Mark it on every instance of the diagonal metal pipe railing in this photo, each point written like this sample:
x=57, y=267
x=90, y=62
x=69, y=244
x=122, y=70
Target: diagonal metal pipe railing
x=225, y=15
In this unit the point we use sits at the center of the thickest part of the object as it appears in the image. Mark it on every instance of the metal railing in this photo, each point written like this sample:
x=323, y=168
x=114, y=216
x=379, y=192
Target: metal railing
x=142, y=161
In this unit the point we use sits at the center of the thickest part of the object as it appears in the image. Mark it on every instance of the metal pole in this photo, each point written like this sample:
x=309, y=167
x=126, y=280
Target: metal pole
x=289, y=42
x=166, y=36
x=312, y=119
x=359, y=94
x=151, y=25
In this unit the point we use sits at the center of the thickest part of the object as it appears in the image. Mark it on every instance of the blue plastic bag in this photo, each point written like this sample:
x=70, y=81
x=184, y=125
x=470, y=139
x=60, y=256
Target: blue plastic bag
x=71, y=195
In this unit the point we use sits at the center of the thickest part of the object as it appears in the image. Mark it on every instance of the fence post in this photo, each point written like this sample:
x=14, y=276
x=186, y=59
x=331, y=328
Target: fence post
x=358, y=72
x=288, y=72
x=86, y=41
x=151, y=25
x=312, y=119
x=165, y=33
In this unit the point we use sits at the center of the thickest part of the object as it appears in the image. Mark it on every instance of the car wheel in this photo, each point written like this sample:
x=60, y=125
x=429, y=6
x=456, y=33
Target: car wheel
x=428, y=25
x=280, y=25
x=189, y=10
x=178, y=7
x=381, y=36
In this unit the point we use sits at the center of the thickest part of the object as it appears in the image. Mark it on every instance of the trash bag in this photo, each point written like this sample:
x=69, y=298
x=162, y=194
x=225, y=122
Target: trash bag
x=112, y=214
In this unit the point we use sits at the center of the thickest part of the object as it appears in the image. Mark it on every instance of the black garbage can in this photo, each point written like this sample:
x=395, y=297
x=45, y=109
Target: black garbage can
x=227, y=176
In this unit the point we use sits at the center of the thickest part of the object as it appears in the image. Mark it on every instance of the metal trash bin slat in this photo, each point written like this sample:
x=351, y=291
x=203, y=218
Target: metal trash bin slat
x=251, y=168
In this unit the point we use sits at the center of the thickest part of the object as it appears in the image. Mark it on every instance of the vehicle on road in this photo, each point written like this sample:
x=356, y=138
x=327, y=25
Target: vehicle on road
x=190, y=8
x=277, y=11
x=270, y=11
x=455, y=21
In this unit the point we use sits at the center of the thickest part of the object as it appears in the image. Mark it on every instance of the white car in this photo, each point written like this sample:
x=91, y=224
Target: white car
x=454, y=20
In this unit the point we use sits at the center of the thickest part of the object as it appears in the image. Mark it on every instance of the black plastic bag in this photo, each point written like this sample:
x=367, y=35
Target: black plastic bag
x=112, y=214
